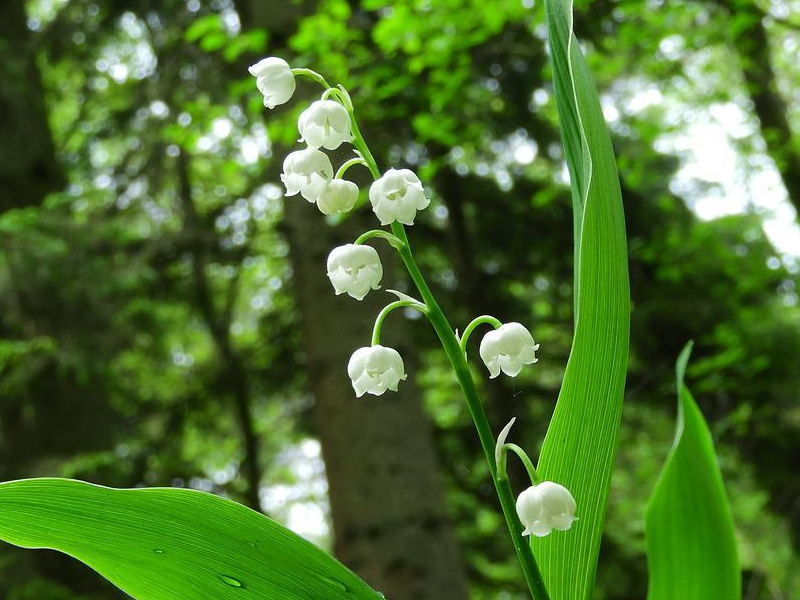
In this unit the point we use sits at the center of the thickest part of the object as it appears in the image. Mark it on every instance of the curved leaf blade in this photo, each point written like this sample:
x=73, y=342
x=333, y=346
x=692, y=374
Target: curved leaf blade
x=691, y=547
x=579, y=447
x=163, y=544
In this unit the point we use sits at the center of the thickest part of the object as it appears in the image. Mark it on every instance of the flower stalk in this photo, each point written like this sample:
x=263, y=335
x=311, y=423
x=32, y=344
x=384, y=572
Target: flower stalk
x=311, y=74
x=347, y=164
x=376, y=330
x=394, y=241
x=523, y=456
x=477, y=321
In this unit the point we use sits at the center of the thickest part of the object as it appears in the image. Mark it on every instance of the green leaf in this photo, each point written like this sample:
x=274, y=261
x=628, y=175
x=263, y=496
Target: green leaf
x=578, y=450
x=204, y=26
x=169, y=544
x=691, y=548
x=214, y=41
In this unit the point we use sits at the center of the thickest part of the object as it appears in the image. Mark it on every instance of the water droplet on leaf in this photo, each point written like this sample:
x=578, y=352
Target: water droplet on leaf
x=158, y=551
x=231, y=581
x=336, y=583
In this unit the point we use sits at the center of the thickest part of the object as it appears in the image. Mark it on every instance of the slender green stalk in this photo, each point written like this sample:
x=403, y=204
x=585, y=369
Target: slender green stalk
x=347, y=164
x=475, y=323
x=523, y=456
x=361, y=146
x=376, y=330
x=455, y=354
x=373, y=233
x=311, y=74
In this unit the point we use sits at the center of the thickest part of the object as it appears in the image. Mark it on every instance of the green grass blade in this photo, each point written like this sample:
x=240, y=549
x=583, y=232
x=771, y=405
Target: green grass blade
x=691, y=548
x=168, y=544
x=579, y=447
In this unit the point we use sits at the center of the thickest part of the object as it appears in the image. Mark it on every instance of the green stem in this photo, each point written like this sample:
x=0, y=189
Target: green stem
x=376, y=331
x=347, y=164
x=452, y=349
x=329, y=92
x=361, y=146
x=454, y=353
x=523, y=456
x=373, y=233
x=311, y=75
x=475, y=323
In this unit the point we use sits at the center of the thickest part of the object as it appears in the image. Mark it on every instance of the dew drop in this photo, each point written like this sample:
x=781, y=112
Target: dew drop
x=158, y=551
x=231, y=581
x=335, y=583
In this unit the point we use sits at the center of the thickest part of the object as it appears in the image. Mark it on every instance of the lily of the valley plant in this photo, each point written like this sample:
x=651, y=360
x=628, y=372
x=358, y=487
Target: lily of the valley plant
x=396, y=196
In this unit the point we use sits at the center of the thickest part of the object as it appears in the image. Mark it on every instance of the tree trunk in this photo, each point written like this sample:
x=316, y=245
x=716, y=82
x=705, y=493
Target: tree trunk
x=28, y=167
x=752, y=45
x=28, y=171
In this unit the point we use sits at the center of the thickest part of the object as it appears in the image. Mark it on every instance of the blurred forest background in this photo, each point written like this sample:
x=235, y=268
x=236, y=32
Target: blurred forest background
x=166, y=320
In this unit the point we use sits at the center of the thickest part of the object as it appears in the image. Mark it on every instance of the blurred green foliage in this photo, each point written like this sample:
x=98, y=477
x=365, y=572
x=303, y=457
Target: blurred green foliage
x=113, y=360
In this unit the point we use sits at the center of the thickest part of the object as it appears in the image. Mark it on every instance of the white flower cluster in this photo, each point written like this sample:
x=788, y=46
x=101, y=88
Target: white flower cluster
x=396, y=196
x=326, y=123
x=353, y=269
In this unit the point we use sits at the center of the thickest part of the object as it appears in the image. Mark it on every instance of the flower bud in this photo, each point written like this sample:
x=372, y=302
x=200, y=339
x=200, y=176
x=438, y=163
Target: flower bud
x=325, y=123
x=375, y=370
x=397, y=196
x=274, y=79
x=354, y=269
x=507, y=349
x=545, y=507
x=307, y=172
x=338, y=197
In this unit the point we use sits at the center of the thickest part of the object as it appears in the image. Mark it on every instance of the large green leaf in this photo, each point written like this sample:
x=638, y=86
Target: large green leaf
x=173, y=544
x=691, y=548
x=579, y=447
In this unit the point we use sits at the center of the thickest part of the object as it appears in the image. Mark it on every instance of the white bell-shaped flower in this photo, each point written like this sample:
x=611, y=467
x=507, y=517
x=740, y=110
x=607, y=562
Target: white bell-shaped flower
x=354, y=269
x=545, y=507
x=397, y=196
x=307, y=172
x=375, y=369
x=325, y=123
x=507, y=349
x=274, y=79
x=338, y=197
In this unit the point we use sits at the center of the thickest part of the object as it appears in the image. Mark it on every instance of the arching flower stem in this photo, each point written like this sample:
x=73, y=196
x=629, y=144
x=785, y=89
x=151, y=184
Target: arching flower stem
x=373, y=233
x=347, y=164
x=376, y=331
x=311, y=74
x=523, y=456
x=475, y=323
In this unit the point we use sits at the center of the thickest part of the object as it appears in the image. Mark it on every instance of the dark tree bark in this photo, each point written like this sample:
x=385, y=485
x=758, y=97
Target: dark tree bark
x=28, y=171
x=751, y=42
x=28, y=167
